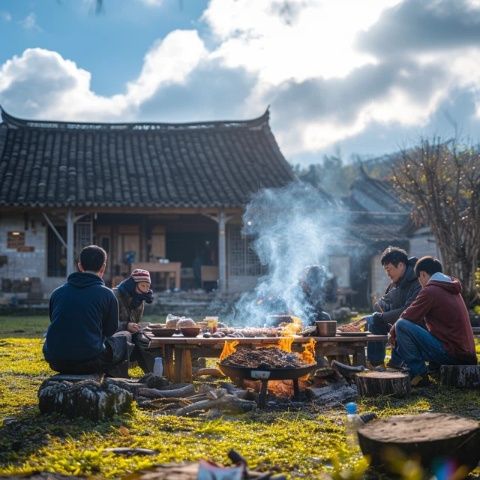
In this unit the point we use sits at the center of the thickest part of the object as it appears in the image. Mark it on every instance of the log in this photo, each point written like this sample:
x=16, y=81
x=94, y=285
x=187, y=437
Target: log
x=332, y=394
x=174, y=393
x=429, y=437
x=213, y=372
x=371, y=384
x=227, y=402
x=87, y=398
x=462, y=376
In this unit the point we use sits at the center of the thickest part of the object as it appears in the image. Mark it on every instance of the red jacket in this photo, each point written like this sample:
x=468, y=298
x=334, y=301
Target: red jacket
x=441, y=306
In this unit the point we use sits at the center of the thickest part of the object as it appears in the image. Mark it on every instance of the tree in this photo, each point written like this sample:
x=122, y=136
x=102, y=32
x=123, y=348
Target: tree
x=331, y=175
x=442, y=181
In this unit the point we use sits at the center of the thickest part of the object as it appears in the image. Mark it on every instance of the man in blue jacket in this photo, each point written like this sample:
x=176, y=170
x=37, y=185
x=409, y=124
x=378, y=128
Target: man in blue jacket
x=83, y=318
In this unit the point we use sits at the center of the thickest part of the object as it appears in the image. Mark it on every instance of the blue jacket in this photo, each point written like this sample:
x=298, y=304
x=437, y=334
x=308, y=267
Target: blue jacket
x=83, y=312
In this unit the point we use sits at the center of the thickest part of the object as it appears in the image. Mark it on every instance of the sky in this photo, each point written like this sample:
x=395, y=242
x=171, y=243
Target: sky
x=355, y=77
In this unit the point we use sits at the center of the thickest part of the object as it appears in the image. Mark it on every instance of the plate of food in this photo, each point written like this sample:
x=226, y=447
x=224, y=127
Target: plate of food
x=352, y=334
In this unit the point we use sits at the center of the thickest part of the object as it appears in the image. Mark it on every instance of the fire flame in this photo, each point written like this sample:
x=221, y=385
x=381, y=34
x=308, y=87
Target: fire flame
x=308, y=354
x=228, y=349
x=288, y=331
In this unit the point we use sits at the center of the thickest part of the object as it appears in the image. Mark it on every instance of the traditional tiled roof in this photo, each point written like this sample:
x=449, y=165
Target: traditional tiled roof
x=204, y=164
x=371, y=194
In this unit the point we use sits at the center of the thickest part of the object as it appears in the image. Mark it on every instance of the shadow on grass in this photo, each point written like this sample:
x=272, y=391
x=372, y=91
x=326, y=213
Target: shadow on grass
x=27, y=432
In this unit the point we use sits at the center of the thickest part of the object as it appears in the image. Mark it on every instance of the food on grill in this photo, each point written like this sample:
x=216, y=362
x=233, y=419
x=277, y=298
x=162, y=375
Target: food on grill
x=249, y=332
x=263, y=358
x=357, y=326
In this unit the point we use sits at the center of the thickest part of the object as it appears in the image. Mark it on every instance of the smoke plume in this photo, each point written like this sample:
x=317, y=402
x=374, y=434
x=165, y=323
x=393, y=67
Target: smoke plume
x=292, y=227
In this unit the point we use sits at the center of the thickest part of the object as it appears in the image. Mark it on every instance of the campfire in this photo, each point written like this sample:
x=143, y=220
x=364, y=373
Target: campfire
x=278, y=368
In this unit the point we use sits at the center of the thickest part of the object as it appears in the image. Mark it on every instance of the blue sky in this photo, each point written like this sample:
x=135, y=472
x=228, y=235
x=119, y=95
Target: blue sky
x=360, y=77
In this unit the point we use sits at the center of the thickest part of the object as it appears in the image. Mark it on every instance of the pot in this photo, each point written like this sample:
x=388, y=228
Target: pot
x=326, y=328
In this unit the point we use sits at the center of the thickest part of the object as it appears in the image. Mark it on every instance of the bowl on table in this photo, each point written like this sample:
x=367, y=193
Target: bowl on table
x=190, y=331
x=163, y=332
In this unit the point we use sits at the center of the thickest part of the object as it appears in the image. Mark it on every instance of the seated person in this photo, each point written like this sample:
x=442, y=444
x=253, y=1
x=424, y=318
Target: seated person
x=131, y=294
x=399, y=294
x=83, y=317
x=448, y=336
x=318, y=288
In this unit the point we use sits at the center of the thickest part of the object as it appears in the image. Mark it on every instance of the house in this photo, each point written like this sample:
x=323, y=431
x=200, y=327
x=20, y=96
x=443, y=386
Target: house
x=165, y=196
x=380, y=219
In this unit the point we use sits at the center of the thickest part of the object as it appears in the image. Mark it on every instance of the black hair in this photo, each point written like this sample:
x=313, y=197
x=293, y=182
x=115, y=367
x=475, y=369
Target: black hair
x=92, y=258
x=428, y=264
x=394, y=255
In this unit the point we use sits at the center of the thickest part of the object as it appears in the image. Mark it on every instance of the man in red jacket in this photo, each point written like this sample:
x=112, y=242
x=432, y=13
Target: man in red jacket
x=448, y=337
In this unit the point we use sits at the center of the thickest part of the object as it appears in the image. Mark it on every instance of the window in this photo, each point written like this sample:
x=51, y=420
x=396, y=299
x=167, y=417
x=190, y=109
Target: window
x=56, y=253
x=242, y=259
x=15, y=239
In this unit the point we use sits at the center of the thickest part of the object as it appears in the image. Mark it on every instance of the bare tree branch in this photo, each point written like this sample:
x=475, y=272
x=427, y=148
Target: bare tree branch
x=442, y=181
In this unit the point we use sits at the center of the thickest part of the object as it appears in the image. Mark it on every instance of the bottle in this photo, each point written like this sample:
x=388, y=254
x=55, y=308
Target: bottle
x=158, y=367
x=352, y=424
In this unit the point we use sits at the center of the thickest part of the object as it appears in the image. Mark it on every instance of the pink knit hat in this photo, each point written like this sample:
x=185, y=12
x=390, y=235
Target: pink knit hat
x=140, y=275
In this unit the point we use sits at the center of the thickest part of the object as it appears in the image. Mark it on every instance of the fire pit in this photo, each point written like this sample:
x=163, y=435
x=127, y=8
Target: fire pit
x=264, y=375
x=266, y=364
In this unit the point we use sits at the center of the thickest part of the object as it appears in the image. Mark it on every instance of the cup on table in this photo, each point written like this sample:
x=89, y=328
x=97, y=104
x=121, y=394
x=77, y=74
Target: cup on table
x=212, y=324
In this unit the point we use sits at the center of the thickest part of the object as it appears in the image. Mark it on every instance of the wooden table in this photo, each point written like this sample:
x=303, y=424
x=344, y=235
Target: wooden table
x=171, y=268
x=177, y=350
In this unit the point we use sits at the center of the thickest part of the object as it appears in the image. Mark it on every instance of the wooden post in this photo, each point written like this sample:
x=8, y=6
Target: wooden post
x=222, y=220
x=463, y=376
x=222, y=253
x=371, y=384
x=70, y=243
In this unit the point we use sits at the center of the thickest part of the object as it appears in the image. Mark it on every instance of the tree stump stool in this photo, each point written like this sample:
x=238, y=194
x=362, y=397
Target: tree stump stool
x=371, y=384
x=432, y=438
x=83, y=396
x=462, y=376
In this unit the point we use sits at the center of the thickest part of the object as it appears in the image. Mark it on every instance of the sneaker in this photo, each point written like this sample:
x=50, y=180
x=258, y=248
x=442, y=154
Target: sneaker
x=376, y=366
x=393, y=366
x=420, y=381
x=347, y=371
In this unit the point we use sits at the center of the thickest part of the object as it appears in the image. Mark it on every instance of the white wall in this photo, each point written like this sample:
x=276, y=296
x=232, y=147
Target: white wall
x=422, y=243
x=26, y=264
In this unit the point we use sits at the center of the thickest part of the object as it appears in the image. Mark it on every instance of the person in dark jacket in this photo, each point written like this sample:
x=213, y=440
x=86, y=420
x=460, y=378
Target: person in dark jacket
x=399, y=294
x=132, y=293
x=436, y=326
x=319, y=287
x=83, y=317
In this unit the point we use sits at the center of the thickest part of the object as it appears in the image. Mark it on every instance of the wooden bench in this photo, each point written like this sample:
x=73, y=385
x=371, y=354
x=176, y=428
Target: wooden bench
x=177, y=351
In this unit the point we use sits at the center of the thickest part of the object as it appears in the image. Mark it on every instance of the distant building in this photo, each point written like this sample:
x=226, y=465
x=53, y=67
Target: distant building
x=146, y=192
x=380, y=219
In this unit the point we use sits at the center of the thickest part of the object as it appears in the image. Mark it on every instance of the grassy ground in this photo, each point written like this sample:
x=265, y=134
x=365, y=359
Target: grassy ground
x=307, y=444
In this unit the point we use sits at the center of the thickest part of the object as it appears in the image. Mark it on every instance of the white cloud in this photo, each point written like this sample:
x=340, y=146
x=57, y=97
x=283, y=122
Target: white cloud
x=41, y=83
x=282, y=40
x=30, y=23
x=6, y=16
x=169, y=61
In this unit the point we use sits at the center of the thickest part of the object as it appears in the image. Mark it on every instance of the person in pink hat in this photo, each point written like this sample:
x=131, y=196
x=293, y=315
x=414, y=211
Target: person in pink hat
x=132, y=294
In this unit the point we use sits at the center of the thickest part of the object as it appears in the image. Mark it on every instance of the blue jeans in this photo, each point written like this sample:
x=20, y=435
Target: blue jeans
x=376, y=350
x=415, y=346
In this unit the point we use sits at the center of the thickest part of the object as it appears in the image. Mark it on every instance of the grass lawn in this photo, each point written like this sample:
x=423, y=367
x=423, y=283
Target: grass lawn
x=306, y=445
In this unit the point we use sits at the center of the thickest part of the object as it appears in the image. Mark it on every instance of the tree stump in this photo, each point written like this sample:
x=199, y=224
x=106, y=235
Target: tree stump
x=429, y=437
x=371, y=384
x=462, y=376
x=87, y=398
